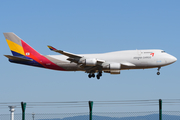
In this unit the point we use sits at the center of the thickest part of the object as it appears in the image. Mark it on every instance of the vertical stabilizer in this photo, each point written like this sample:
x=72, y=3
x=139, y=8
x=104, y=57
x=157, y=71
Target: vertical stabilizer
x=15, y=44
x=22, y=52
x=25, y=54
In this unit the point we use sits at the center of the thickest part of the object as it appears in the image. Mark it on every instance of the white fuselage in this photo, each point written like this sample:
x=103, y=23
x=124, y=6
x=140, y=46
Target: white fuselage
x=130, y=59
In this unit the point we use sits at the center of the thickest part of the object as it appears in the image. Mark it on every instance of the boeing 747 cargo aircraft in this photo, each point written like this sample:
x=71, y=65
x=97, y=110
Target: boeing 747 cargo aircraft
x=111, y=62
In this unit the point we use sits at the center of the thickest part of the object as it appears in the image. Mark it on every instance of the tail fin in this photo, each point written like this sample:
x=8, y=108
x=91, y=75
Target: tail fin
x=21, y=50
x=25, y=54
x=15, y=44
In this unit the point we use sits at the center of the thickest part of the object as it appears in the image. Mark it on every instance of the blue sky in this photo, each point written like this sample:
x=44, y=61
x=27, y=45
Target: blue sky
x=90, y=27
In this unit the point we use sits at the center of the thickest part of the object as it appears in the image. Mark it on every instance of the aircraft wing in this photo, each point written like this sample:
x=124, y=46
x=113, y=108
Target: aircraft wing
x=71, y=55
x=75, y=58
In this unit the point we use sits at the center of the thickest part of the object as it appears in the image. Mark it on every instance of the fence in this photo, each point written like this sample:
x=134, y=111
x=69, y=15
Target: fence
x=148, y=115
x=152, y=115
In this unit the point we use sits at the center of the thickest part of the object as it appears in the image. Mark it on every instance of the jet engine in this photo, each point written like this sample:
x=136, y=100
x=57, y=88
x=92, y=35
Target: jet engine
x=88, y=62
x=113, y=68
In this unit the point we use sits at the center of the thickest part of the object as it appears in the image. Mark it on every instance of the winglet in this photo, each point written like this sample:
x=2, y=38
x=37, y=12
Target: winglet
x=52, y=48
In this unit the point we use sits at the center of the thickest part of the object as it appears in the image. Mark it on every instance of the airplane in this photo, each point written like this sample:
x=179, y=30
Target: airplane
x=111, y=62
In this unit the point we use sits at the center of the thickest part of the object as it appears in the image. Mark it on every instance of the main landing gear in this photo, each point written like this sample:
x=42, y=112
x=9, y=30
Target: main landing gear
x=158, y=73
x=99, y=75
x=93, y=75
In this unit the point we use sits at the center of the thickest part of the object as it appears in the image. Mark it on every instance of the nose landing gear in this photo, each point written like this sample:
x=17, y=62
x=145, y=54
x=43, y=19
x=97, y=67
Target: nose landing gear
x=158, y=73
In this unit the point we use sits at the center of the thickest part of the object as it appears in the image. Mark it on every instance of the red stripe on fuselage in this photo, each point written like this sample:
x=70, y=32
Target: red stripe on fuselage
x=33, y=54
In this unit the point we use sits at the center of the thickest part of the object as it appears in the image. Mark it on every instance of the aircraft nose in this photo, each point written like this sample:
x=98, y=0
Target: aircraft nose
x=172, y=59
x=175, y=59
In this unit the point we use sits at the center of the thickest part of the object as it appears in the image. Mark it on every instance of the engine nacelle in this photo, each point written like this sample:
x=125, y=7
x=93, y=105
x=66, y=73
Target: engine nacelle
x=113, y=68
x=88, y=62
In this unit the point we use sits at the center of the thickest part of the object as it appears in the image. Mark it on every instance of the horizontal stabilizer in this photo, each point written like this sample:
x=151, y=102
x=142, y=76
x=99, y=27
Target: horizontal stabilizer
x=17, y=58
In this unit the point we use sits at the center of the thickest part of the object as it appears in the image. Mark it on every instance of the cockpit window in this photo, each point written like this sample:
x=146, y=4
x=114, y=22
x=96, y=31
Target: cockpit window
x=162, y=51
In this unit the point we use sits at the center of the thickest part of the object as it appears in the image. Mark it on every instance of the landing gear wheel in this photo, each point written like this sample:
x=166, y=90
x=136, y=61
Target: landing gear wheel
x=100, y=73
x=158, y=73
x=93, y=75
x=89, y=75
x=98, y=77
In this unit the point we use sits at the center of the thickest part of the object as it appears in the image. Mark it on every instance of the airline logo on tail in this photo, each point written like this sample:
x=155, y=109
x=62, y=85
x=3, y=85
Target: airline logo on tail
x=15, y=44
x=25, y=54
